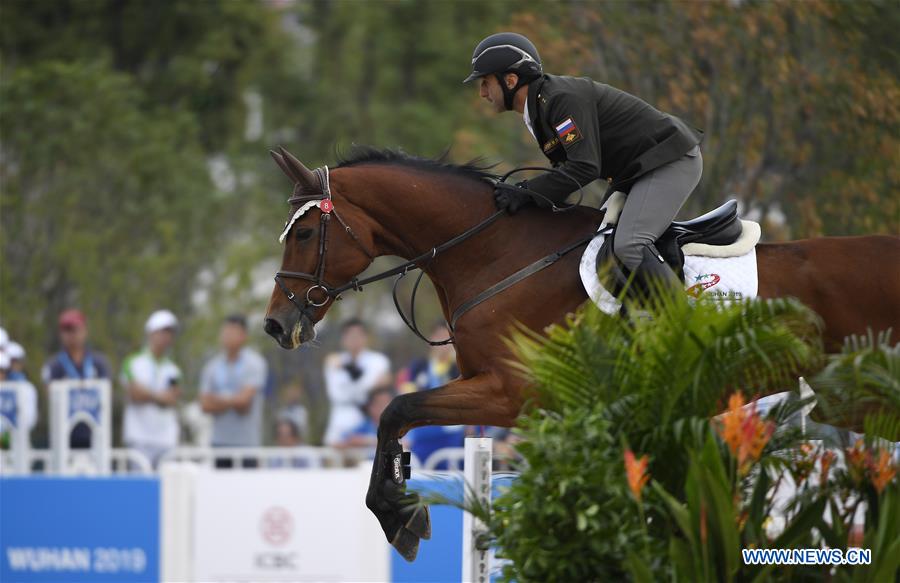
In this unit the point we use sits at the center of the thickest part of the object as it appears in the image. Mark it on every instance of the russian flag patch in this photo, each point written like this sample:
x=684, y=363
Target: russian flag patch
x=567, y=131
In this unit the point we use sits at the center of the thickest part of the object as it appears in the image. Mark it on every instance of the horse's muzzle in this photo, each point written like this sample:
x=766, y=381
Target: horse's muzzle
x=290, y=331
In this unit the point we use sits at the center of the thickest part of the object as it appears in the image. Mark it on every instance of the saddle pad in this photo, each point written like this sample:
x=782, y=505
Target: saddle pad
x=724, y=278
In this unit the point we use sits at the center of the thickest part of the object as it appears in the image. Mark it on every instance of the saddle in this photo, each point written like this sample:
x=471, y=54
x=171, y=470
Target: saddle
x=718, y=233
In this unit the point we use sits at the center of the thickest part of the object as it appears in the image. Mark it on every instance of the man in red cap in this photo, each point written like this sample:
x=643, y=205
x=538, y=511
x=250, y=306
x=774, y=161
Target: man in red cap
x=75, y=361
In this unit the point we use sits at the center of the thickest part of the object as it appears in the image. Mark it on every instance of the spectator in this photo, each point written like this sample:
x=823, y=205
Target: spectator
x=16, y=372
x=153, y=385
x=349, y=376
x=75, y=361
x=365, y=435
x=231, y=388
x=287, y=434
x=16, y=354
x=436, y=370
x=293, y=409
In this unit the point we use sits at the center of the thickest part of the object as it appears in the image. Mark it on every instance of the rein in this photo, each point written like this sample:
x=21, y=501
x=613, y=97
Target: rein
x=324, y=202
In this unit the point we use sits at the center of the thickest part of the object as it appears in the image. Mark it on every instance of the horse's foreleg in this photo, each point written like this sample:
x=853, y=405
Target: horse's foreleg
x=475, y=401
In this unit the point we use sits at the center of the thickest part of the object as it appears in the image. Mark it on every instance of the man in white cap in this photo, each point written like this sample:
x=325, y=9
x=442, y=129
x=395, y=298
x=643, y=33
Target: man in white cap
x=153, y=385
x=16, y=354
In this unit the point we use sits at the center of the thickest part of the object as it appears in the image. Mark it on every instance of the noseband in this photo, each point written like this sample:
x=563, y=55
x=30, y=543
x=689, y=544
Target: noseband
x=326, y=206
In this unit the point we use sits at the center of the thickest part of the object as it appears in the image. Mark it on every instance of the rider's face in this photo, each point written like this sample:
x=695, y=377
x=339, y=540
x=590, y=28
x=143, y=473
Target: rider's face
x=492, y=93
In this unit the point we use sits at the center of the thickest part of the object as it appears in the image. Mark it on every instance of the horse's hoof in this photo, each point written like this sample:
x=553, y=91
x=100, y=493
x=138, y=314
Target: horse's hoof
x=407, y=544
x=420, y=523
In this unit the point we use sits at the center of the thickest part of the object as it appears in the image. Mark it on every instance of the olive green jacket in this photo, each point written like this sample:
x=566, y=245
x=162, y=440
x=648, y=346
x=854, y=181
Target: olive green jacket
x=590, y=130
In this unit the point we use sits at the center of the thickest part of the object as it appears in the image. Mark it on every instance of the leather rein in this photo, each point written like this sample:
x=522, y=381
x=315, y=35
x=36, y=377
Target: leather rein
x=326, y=291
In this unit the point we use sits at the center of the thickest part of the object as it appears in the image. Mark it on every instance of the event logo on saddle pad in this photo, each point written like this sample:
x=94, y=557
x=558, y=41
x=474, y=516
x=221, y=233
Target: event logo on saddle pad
x=703, y=281
x=568, y=132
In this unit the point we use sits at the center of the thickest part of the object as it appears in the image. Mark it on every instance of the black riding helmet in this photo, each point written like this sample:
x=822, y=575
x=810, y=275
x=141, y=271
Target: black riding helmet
x=502, y=53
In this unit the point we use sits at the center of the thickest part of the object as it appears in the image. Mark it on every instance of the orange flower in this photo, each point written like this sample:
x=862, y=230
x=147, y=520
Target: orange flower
x=636, y=470
x=828, y=458
x=803, y=462
x=856, y=461
x=730, y=424
x=745, y=432
x=882, y=469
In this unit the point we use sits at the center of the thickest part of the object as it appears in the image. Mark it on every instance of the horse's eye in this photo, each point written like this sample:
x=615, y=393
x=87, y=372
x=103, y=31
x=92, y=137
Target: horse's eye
x=304, y=233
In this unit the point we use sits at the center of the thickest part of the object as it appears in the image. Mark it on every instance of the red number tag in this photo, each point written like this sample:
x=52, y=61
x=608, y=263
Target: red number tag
x=326, y=205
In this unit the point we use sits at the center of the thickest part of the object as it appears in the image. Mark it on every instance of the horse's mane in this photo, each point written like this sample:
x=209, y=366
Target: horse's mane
x=476, y=169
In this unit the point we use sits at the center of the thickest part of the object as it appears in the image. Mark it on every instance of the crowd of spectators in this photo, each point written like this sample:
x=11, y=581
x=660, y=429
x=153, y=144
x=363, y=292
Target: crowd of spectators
x=359, y=382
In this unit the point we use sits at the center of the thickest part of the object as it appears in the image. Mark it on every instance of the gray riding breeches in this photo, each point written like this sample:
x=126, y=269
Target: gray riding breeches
x=652, y=204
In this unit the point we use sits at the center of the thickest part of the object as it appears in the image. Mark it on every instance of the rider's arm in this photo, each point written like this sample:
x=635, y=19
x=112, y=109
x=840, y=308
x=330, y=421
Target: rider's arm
x=582, y=151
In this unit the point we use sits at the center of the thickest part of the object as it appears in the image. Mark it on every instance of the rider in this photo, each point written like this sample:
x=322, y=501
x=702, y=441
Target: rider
x=590, y=130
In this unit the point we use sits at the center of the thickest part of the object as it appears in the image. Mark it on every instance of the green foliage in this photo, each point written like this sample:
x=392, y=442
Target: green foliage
x=652, y=383
x=104, y=205
x=654, y=374
x=569, y=516
x=864, y=379
x=109, y=111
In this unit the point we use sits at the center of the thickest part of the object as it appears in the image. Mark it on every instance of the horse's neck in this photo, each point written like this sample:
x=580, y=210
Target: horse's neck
x=411, y=212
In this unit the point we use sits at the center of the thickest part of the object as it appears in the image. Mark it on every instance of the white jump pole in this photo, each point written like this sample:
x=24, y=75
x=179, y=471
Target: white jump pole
x=478, y=462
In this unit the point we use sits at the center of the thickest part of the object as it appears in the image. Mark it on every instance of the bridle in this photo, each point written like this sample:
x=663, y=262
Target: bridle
x=325, y=204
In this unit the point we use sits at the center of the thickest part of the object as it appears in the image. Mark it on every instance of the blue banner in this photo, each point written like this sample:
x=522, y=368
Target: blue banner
x=9, y=407
x=85, y=402
x=79, y=529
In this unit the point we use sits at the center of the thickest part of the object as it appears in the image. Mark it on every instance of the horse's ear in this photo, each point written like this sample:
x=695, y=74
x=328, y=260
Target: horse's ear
x=283, y=165
x=304, y=176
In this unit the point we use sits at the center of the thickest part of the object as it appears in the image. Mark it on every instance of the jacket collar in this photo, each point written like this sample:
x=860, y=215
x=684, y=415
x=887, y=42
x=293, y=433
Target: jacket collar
x=533, y=89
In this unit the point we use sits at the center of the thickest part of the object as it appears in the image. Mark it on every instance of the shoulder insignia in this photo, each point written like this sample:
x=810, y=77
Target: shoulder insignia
x=568, y=132
x=550, y=145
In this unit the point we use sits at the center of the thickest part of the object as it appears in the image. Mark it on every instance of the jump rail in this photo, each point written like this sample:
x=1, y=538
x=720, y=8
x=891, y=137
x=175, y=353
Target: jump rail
x=476, y=553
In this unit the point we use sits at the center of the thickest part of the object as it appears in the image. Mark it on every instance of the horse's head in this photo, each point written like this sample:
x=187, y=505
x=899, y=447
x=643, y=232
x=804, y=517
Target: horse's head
x=322, y=254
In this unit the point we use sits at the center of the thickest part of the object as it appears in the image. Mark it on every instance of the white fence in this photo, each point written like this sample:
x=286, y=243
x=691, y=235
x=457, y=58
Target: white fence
x=131, y=461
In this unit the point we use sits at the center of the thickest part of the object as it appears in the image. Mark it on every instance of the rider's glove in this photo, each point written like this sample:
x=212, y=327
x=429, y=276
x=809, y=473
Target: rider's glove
x=511, y=197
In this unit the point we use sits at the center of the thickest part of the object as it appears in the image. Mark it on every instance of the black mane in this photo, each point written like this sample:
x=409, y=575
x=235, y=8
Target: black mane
x=475, y=169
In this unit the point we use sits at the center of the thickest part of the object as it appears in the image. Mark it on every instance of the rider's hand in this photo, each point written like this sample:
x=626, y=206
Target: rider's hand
x=511, y=197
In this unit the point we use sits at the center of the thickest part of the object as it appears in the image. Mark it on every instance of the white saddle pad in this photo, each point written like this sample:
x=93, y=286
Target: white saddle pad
x=725, y=278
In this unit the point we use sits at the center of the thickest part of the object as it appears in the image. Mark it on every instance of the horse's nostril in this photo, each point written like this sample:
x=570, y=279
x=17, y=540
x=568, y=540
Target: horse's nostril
x=273, y=328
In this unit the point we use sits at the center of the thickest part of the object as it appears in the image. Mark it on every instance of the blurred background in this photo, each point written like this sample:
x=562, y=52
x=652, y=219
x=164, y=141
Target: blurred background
x=134, y=138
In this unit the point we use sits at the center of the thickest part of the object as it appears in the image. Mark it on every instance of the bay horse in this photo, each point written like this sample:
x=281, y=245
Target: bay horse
x=388, y=203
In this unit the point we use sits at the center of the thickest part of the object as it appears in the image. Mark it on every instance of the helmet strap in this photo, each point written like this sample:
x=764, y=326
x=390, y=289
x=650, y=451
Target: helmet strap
x=509, y=94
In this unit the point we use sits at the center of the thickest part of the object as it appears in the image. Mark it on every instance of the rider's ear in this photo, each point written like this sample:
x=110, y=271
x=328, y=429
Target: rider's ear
x=511, y=79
